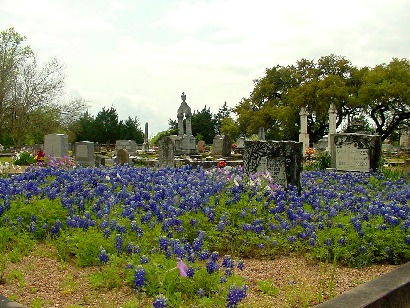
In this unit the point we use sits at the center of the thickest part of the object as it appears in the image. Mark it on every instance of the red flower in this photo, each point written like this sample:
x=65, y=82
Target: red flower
x=221, y=164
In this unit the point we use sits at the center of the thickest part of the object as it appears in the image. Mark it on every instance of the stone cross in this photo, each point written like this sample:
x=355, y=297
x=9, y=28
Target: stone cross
x=184, y=109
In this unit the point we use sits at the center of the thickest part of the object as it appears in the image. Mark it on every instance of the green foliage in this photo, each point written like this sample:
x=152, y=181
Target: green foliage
x=204, y=124
x=24, y=159
x=107, y=127
x=322, y=161
x=267, y=287
x=278, y=96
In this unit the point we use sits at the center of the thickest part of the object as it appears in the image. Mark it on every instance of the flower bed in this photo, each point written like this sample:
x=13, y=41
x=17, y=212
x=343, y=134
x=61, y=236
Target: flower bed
x=134, y=223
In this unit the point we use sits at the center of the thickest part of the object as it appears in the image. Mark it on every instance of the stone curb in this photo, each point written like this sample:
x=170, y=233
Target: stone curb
x=389, y=290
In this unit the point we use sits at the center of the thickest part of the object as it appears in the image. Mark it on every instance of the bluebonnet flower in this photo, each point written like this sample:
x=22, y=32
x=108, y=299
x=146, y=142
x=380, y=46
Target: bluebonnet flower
x=118, y=242
x=193, y=222
x=139, y=277
x=107, y=233
x=144, y=259
x=227, y=262
x=160, y=302
x=342, y=240
x=235, y=295
x=200, y=292
x=130, y=248
x=222, y=279
x=241, y=265
x=328, y=242
x=214, y=256
x=190, y=272
x=103, y=256
x=33, y=227
x=203, y=255
x=211, y=266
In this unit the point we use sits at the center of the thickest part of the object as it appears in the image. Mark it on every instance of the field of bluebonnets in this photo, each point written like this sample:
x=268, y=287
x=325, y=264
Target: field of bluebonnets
x=178, y=235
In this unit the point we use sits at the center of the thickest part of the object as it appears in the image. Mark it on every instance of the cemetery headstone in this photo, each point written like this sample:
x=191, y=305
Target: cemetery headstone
x=222, y=145
x=355, y=152
x=201, y=146
x=56, y=145
x=123, y=157
x=405, y=138
x=166, y=152
x=84, y=153
x=282, y=159
x=129, y=145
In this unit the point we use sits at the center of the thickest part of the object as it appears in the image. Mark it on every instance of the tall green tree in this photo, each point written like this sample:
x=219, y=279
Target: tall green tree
x=385, y=96
x=381, y=93
x=204, y=124
x=29, y=92
x=130, y=129
x=223, y=112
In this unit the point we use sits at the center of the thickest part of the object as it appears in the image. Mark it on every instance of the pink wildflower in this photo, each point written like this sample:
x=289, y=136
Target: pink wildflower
x=182, y=267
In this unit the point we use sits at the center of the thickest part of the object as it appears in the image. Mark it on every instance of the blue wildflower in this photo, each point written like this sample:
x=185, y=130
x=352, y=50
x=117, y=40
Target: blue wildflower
x=160, y=302
x=235, y=295
x=139, y=277
x=103, y=256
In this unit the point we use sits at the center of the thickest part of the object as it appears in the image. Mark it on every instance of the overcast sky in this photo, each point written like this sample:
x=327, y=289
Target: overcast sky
x=139, y=56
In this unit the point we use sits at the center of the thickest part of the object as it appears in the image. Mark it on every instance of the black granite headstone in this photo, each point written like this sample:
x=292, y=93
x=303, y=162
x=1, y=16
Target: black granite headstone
x=283, y=159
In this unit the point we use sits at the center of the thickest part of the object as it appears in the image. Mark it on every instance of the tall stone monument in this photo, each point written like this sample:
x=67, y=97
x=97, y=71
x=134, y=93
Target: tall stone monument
x=303, y=135
x=185, y=143
x=332, y=123
x=145, y=146
x=261, y=133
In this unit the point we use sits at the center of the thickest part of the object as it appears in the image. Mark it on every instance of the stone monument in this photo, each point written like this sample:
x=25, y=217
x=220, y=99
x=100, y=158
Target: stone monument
x=123, y=157
x=84, y=153
x=129, y=145
x=332, y=123
x=355, y=152
x=166, y=152
x=405, y=138
x=185, y=143
x=283, y=159
x=261, y=133
x=222, y=145
x=303, y=135
x=145, y=146
x=56, y=145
